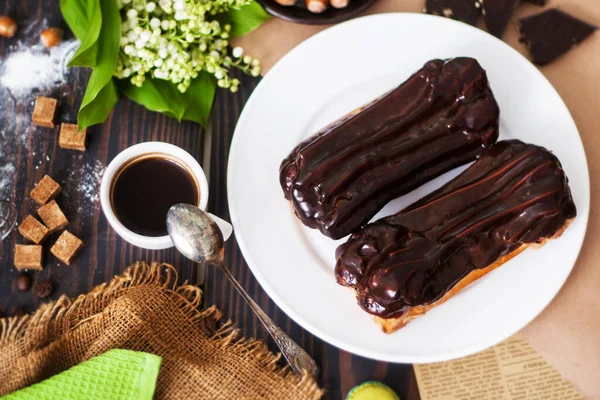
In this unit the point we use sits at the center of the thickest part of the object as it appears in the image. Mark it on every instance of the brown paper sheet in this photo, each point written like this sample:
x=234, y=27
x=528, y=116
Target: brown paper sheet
x=567, y=333
x=509, y=370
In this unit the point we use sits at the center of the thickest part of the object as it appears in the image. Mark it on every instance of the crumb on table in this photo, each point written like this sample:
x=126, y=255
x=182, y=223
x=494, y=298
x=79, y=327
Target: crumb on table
x=33, y=230
x=66, y=247
x=53, y=216
x=28, y=256
x=46, y=190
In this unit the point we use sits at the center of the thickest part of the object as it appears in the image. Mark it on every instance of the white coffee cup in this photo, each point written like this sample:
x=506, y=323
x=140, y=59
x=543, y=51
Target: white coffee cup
x=160, y=149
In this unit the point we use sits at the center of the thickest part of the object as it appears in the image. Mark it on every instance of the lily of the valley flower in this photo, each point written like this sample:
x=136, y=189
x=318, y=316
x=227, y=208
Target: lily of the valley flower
x=175, y=40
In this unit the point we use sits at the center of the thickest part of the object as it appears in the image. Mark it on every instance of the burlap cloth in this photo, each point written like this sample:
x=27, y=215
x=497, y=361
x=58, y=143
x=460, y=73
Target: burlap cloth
x=145, y=310
x=567, y=333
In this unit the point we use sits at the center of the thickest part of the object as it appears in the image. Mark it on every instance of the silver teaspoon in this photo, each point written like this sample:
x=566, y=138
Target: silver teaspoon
x=199, y=238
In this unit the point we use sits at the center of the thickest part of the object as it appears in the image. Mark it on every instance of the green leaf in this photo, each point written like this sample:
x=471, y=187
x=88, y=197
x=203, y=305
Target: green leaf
x=98, y=110
x=84, y=17
x=201, y=94
x=77, y=15
x=157, y=95
x=164, y=97
x=244, y=20
x=106, y=61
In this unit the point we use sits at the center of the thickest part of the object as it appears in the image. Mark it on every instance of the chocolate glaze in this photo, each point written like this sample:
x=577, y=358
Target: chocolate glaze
x=515, y=194
x=443, y=116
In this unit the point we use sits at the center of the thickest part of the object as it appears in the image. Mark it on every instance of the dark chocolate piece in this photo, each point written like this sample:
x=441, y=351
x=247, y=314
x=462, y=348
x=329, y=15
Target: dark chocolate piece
x=460, y=10
x=496, y=14
x=443, y=116
x=552, y=33
x=515, y=194
x=540, y=3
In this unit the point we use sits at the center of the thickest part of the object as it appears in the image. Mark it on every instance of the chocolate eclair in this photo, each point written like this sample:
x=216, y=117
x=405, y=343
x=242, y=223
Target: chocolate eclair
x=443, y=116
x=514, y=196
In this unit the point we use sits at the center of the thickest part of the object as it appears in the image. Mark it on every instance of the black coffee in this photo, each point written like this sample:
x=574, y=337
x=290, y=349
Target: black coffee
x=145, y=189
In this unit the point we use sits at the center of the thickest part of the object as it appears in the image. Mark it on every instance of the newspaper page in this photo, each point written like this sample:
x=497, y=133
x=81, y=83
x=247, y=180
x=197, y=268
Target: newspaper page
x=511, y=370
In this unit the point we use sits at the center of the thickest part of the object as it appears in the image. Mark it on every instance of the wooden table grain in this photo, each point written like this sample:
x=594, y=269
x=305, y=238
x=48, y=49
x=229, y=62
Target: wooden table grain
x=27, y=153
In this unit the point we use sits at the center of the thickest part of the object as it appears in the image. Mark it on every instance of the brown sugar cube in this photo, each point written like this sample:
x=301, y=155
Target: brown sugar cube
x=46, y=190
x=43, y=112
x=53, y=216
x=71, y=137
x=33, y=230
x=66, y=247
x=28, y=256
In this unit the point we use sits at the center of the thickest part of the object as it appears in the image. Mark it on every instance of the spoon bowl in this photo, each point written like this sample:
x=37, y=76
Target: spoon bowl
x=195, y=234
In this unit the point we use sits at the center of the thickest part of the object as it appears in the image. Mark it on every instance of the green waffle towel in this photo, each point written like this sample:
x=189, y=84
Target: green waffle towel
x=114, y=375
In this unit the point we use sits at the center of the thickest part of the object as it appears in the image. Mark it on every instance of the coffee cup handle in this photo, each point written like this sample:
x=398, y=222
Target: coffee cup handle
x=223, y=225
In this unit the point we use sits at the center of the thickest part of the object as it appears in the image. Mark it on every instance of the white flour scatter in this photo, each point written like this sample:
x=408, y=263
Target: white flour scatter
x=7, y=172
x=13, y=131
x=85, y=182
x=35, y=67
x=25, y=72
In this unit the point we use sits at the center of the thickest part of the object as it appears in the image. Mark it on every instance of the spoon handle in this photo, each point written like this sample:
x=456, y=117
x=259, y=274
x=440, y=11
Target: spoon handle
x=298, y=359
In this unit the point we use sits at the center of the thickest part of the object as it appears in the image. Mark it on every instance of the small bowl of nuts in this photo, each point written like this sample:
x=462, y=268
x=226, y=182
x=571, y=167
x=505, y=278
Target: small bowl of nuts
x=315, y=12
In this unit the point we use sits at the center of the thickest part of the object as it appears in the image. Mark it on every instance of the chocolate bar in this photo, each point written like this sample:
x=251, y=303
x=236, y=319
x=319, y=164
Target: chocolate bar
x=444, y=116
x=539, y=3
x=514, y=196
x=460, y=10
x=496, y=14
x=552, y=33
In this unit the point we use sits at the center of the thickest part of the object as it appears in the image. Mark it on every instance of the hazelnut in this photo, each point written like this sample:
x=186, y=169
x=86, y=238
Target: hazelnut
x=51, y=37
x=23, y=282
x=8, y=26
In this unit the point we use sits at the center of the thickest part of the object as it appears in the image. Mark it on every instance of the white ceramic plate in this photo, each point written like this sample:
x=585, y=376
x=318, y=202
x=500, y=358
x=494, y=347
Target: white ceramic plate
x=333, y=73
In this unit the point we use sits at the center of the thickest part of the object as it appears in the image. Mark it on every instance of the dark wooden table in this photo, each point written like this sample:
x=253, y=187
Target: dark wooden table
x=34, y=152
